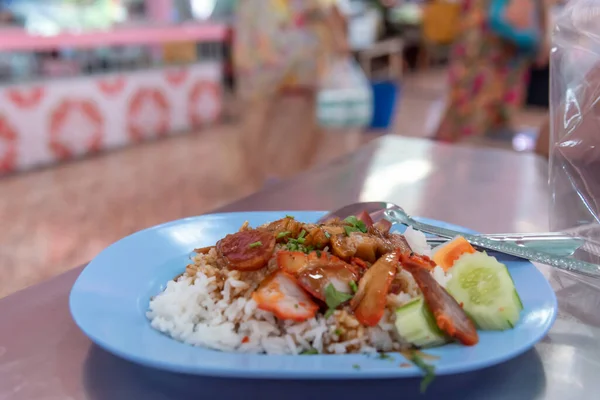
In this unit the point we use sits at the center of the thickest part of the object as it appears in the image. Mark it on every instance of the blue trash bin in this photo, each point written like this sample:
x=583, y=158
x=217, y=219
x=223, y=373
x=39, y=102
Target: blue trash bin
x=385, y=94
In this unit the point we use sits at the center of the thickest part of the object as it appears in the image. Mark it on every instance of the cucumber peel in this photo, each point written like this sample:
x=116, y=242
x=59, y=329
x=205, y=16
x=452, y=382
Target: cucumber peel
x=486, y=291
x=415, y=324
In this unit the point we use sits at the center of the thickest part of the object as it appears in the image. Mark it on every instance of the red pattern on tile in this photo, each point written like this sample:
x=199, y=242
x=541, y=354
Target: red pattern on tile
x=161, y=106
x=176, y=77
x=58, y=145
x=8, y=138
x=26, y=98
x=112, y=86
x=198, y=89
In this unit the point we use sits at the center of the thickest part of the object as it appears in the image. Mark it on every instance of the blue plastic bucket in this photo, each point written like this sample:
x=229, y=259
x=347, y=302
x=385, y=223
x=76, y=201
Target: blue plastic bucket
x=385, y=94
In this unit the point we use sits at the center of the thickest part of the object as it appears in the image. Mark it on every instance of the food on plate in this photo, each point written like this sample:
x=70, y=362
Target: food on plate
x=448, y=314
x=446, y=254
x=415, y=323
x=345, y=286
x=247, y=250
x=486, y=290
x=371, y=297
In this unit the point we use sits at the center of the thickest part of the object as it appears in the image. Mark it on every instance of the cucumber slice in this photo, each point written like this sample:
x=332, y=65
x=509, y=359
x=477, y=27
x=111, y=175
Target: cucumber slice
x=485, y=289
x=416, y=325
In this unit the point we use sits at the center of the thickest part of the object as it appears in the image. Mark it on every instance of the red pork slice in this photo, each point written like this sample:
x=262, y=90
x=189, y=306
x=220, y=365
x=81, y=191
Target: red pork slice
x=448, y=314
x=366, y=218
x=316, y=270
x=325, y=270
x=370, y=299
x=248, y=250
x=280, y=294
x=383, y=226
x=291, y=261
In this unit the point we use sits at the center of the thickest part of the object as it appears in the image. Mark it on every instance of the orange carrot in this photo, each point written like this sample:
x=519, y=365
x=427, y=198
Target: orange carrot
x=448, y=253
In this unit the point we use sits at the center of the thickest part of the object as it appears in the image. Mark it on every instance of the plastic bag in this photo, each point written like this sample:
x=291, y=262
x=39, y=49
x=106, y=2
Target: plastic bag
x=345, y=98
x=575, y=125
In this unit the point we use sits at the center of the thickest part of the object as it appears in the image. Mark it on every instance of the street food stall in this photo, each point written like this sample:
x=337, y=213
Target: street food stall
x=73, y=93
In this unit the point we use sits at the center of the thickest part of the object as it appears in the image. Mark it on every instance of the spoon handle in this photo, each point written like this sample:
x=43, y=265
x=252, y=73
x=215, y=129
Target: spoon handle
x=564, y=263
x=555, y=244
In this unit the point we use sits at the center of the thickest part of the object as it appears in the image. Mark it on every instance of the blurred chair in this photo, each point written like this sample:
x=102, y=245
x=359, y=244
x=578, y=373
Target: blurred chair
x=440, y=26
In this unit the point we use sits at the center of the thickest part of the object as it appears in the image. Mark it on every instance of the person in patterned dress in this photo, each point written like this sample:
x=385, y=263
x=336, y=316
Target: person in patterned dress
x=488, y=76
x=281, y=49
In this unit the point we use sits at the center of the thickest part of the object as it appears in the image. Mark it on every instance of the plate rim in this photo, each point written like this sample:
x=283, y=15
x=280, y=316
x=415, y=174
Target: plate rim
x=228, y=372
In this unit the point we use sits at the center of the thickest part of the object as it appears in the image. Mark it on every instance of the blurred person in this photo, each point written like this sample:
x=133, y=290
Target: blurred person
x=281, y=50
x=488, y=75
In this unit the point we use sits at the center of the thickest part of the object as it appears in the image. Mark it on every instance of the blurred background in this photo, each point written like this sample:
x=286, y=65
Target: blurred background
x=116, y=115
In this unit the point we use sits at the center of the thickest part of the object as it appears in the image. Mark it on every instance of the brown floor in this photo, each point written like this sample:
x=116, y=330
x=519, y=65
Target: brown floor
x=57, y=218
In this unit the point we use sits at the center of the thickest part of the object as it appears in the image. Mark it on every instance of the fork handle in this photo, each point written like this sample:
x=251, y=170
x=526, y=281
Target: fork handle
x=564, y=263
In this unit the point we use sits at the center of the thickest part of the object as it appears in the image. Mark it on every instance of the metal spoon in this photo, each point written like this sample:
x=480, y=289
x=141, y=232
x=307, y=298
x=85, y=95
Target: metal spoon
x=395, y=214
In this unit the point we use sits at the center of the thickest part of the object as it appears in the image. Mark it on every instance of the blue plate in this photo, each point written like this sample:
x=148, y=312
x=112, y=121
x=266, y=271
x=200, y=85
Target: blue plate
x=110, y=297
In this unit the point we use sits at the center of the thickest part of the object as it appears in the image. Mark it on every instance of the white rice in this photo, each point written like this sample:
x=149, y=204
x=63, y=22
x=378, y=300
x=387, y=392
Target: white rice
x=417, y=241
x=203, y=310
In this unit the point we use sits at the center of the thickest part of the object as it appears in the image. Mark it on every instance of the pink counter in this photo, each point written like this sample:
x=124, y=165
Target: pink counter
x=50, y=121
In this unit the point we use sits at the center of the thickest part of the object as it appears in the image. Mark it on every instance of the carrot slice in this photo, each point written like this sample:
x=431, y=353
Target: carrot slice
x=280, y=294
x=446, y=254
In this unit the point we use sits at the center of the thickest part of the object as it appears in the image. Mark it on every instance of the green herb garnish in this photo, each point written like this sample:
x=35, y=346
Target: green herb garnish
x=353, y=286
x=327, y=235
x=350, y=229
x=333, y=298
x=384, y=356
x=290, y=216
x=428, y=370
x=318, y=253
x=356, y=366
x=298, y=243
x=255, y=244
x=309, y=352
x=357, y=224
x=283, y=234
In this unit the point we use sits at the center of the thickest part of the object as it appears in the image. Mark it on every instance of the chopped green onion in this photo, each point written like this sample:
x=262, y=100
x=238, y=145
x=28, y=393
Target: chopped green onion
x=283, y=234
x=353, y=286
x=356, y=366
x=352, y=220
x=428, y=370
x=354, y=225
x=289, y=216
x=255, y=244
x=302, y=234
x=327, y=235
x=310, y=352
x=338, y=332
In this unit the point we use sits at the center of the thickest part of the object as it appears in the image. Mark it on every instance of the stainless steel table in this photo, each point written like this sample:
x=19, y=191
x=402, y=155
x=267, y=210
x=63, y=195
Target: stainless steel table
x=43, y=355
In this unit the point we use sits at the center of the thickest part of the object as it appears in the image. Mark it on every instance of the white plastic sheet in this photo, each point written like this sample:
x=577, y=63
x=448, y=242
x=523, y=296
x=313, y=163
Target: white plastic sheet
x=575, y=125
